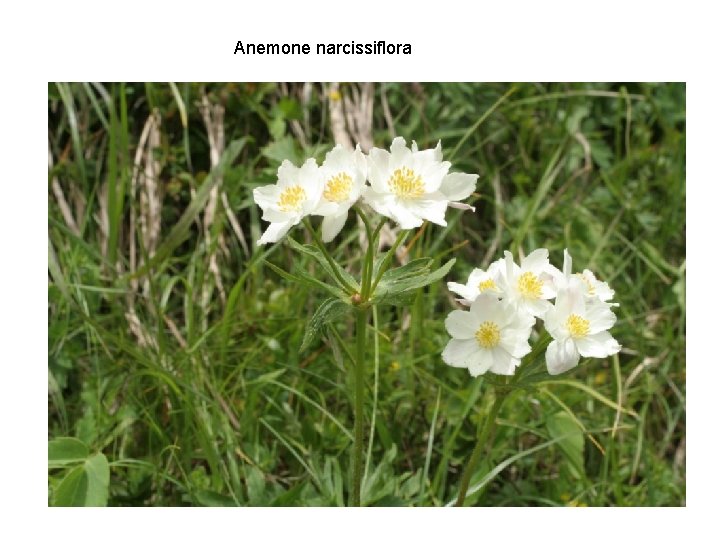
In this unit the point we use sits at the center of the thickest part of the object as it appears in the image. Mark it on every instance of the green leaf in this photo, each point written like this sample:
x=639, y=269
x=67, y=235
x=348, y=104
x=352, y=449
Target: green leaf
x=397, y=285
x=64, y=450
x=211, y=498
x=316, y=254
x=570, y=437
x=86, y=484
x=330, y=310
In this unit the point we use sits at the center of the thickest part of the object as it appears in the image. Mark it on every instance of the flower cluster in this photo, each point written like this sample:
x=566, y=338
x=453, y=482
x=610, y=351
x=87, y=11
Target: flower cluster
x=406, y=185
x=505, y=302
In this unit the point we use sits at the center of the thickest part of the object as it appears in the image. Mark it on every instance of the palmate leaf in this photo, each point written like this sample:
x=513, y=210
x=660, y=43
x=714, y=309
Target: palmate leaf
x=330, y=310
x=397, y=286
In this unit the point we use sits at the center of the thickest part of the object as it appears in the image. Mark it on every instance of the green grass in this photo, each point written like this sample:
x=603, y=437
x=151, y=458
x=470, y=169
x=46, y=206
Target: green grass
x=190, y=382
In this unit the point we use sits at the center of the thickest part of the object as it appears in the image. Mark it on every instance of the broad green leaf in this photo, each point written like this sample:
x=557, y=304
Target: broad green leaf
x=86, y=484
x=330, y=310
x=396, y=286
x=63, y=450
x=570, y=437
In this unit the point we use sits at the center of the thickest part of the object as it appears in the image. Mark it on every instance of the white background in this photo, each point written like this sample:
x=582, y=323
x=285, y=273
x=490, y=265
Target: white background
x=451, y=41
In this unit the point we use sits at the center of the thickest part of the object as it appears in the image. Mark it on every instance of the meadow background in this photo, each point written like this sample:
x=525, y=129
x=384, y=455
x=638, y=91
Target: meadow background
x=174, y=376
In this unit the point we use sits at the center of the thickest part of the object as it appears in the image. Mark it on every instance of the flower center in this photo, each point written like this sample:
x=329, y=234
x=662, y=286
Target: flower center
x=406, y=184
x=338, y=188
x=530, y=286
x=291, y=199
x=487, y=284
x=488, y=335
x=577, y=326
x=590, y=286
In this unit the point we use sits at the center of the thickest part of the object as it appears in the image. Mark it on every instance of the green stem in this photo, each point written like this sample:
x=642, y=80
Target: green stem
x=368, y=261
x=388, y=259
x=360, y=331
x=338, y=276
x=480, y=445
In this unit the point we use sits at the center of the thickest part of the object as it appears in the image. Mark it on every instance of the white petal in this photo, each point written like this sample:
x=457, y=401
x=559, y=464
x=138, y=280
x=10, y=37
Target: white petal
x=400, y=154
x=461, y=325
x=287, y=174
x=503, y=362
x=567, y=264
x=380, y=202
x=265, y=196
x=479, y=362
x=404, y=216
x=536, y=261
x=600, y=345
x=515, y=342
x=486, y=308
x=276, y=231
x=469, y=293
x=332, y=225
x=378, y=167
x=458, y=186
x=431, y=210
x=561, y=356
x=461, y=206
x=600, y=316
x=458, y=351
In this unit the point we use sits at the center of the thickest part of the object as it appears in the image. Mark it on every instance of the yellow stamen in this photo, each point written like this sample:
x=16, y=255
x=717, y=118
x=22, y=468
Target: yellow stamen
x=577, y=326
x=530, y=286
x=338, y=188
x=488, y=335
x=406, y=184
x=291, y=199
x=487, y=284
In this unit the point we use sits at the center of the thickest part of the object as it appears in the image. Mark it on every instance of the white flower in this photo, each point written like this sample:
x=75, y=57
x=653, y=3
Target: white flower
x=344, y=173
x=531, y=284
x=589, y=284
x=408, y=185
x=480, y=282
x=492, y=336
x=295, y=196
x=579, y=327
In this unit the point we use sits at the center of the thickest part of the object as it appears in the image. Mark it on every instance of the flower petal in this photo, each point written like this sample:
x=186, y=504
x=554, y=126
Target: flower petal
x=461, y=325
x=332, y=225
x=600, y=316
x=503, y=362
x=479, y=362
x=276, y=231
x=458, y=351
x=429, y=209
x=458, y=186
x=561, y=356
x=600, y=345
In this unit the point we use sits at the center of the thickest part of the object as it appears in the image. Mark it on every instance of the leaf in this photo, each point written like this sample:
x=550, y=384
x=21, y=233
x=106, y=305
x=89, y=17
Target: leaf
x=316, y=254
x=64, y=450
x=330, y=310
x=86, y=484
x=571, y=440
x=397, y=285
x=211, y=498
